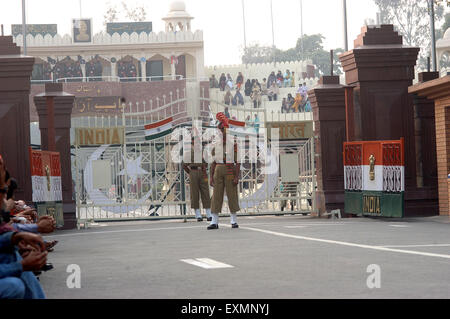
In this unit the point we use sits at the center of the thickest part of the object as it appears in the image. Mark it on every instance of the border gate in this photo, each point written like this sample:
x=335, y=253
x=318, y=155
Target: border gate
x=138, y=180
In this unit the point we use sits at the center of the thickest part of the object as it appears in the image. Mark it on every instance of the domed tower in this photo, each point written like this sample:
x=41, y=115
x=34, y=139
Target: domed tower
x=178, y=19
x=443, y=47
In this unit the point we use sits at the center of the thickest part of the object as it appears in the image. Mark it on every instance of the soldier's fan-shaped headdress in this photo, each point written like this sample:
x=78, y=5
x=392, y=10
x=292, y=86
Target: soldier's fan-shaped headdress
x=222, y=119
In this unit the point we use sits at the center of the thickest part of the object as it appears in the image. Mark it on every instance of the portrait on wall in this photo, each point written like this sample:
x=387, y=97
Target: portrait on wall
x=82, y=30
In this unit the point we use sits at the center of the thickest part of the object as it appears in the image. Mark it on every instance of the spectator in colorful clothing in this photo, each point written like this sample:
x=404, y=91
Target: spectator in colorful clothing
x=239, y=80
x=287, y=79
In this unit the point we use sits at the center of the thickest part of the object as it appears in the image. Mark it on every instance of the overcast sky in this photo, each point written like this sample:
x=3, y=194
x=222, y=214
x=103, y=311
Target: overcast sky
x=220, y=20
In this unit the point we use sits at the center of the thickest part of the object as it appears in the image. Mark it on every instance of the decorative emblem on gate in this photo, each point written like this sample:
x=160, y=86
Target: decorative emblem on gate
x=47, y=173
x=372, y=167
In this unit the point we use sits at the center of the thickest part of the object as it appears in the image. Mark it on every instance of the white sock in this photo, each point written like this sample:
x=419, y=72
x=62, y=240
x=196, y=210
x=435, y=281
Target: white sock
x=233, y=218
x=198, y=214
x=215, y=219
x=208, y=212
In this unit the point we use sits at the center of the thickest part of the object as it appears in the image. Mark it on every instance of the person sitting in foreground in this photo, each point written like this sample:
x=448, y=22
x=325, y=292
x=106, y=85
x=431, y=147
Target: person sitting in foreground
x=20, y=254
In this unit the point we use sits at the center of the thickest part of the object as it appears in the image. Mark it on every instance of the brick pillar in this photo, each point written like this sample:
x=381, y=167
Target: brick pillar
x=439, y=91
x=425, y=145
x=328, y=105
x=381, y=69
x=15, y=74
x=63, y=104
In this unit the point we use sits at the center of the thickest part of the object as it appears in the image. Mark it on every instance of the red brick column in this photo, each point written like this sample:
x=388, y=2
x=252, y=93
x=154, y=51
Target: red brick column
x=439, y=91
x=15, y=73
x=381, y=68
x=328, y=105
x=443, y=153
x=63, y=104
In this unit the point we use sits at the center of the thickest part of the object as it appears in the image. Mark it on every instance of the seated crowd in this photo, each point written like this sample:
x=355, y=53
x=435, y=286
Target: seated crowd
x=23, y=252
x=300, y=103
x=269, y=87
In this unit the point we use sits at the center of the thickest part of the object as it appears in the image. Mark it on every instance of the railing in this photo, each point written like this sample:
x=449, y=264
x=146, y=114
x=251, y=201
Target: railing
x=120, y=79
x=109, y=78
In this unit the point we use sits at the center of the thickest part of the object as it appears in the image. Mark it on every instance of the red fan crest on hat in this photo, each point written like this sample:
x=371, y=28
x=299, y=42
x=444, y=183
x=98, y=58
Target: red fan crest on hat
x=223, y=119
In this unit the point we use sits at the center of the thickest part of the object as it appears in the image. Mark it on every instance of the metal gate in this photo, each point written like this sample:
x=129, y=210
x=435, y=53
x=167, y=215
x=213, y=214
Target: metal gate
x=141, y=181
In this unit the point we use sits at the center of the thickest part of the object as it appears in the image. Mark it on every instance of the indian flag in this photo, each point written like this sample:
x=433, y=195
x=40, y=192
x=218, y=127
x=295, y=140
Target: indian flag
x=238, y=128
x=159, y=129
x=374, y=178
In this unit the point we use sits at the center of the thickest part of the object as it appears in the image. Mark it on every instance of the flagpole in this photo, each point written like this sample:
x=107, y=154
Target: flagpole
x=344, y=7
x=24, y=29
x=301, y=26
x=243, y=16
x=273, y=33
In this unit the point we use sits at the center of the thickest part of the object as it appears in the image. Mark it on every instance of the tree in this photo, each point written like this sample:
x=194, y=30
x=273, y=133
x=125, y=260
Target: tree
x=412, y=19
x=135, y=14
x=310, y=47
x=258, y=54
x=313, y=49
x=111, y=14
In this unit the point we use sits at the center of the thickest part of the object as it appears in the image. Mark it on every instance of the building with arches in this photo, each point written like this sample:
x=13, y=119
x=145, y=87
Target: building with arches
x=127, y=56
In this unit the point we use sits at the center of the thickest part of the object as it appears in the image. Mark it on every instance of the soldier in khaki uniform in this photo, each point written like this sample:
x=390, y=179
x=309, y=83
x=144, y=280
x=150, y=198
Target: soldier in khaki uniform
x=198, y=178
x=224, y=178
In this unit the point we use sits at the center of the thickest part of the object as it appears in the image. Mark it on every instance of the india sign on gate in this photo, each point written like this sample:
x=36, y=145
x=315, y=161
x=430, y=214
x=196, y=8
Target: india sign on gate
x=374, y=174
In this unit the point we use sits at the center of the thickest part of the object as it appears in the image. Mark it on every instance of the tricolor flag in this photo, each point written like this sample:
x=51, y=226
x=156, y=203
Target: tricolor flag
x=238, y=128
x=374, y=178
x=159, y=129
x=45, y=176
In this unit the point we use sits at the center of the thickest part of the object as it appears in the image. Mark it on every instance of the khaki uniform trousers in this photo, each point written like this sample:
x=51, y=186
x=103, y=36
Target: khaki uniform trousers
x=199, y=187
x=223, y=181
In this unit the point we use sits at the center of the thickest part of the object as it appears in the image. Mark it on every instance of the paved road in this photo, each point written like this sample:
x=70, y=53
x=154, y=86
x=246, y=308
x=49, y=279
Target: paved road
x=268, y=257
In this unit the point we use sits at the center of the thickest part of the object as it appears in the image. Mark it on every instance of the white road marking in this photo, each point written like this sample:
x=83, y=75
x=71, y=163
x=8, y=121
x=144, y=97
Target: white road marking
x=342, y=243
x=122, y=231
x=184, y=227
x=429, y=245
x=400, y=226
x=311, y=224
x=206, y=263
